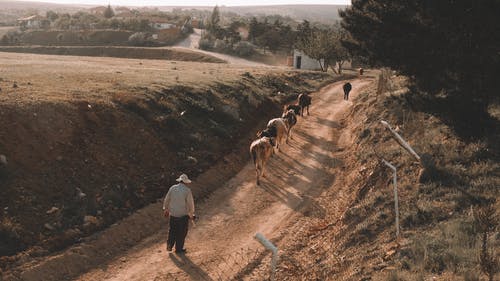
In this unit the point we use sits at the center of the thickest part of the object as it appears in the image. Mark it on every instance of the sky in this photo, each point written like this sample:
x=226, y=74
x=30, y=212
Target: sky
x=196, y=2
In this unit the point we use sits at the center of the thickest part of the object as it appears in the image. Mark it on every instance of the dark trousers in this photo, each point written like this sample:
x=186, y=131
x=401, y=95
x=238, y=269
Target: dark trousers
x=177, y=232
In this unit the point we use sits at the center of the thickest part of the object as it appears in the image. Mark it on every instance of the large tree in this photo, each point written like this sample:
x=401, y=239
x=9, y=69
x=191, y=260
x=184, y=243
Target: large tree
x=445, y=46
x=323, y=45
x=213, y=24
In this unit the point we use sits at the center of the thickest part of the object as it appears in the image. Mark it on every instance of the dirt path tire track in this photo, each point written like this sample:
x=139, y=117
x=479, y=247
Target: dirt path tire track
x=232, y=215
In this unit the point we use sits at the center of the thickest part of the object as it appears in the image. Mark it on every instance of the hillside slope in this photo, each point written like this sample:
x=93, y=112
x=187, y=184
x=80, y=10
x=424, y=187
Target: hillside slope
x=441, y=236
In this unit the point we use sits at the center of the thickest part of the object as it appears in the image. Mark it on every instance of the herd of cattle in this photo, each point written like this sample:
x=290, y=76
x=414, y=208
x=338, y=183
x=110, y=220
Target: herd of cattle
x=277, y=130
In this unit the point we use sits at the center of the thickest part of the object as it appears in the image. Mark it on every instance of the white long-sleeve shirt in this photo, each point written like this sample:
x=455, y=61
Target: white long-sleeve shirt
x=179, y=201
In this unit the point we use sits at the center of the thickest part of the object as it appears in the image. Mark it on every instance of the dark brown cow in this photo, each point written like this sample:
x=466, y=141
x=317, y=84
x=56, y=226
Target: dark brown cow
x=294, y=107
x=347, y=88
x=304, y=101
x=261, y=150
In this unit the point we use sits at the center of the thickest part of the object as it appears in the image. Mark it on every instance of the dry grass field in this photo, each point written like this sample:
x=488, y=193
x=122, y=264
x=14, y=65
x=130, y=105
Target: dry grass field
x=96, y=79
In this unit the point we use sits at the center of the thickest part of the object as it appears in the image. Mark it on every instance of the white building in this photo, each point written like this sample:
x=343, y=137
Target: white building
x=33, y=22
x=302, y=61
x=162, y=25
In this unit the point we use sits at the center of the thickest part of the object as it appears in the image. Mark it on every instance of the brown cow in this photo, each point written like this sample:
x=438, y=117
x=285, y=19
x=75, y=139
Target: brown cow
x=304, y=101
x=281, y=130
x=269, y=132
x=261, y=150
x=290, y=121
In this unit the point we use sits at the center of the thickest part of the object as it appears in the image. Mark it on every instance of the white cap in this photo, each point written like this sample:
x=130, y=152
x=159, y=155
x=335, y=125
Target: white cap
x=184, y=178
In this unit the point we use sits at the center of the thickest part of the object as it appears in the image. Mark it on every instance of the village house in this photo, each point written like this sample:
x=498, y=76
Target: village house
x=165, y=31
x=161, y=24
x=195, y=22
x=33, y=22
x=243, y=32
x=299, y=60
x=302, y=61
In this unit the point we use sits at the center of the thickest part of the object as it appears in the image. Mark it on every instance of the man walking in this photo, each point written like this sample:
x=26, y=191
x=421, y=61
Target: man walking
x=347, y=88
x=179, y=206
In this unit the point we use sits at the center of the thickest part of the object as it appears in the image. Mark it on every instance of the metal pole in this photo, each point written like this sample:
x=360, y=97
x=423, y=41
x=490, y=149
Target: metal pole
x=268, y=245
x=396, y=200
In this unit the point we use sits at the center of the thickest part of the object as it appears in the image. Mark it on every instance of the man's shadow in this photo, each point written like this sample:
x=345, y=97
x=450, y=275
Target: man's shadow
x=186, y=264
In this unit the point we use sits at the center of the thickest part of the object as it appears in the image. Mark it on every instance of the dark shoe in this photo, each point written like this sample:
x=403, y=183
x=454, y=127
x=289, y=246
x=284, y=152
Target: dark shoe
x=181, y=251
x=169, y=248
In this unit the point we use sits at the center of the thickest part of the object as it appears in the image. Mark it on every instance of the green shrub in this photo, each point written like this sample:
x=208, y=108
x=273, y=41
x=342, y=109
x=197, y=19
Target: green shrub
x=244, y=49
x=222, y=46
x=206, y=44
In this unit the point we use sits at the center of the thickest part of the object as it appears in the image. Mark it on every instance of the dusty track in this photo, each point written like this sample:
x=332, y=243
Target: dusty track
x=232, y=215
x=193, y=41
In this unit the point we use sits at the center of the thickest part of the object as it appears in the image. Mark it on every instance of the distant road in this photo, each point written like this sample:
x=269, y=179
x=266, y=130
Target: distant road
x=192, y=42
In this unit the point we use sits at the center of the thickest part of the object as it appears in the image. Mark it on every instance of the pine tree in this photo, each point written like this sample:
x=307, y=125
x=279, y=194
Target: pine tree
x=445, y=45
x=109, y=13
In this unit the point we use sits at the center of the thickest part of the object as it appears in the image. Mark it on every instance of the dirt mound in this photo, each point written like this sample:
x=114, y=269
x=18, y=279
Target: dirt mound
x=118, y=52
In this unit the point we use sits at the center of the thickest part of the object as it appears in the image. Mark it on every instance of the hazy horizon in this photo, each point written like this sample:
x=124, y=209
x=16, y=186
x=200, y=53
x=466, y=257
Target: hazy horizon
x=195, y=2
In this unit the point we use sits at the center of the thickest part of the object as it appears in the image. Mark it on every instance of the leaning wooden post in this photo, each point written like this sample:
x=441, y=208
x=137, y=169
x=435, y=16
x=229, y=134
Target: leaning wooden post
x=401, y=141
x=396, y=199
x=268, y=245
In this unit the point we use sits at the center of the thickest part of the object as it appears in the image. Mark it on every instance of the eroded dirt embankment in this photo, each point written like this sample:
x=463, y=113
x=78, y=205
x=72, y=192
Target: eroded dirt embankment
x=77, y=167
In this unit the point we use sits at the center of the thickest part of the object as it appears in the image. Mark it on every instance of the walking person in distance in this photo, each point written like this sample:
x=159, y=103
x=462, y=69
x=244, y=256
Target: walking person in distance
x=178, y=206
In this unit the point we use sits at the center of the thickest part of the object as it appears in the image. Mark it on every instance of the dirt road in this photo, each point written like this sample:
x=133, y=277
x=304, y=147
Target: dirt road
x=192, y=43
x=222, y=243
